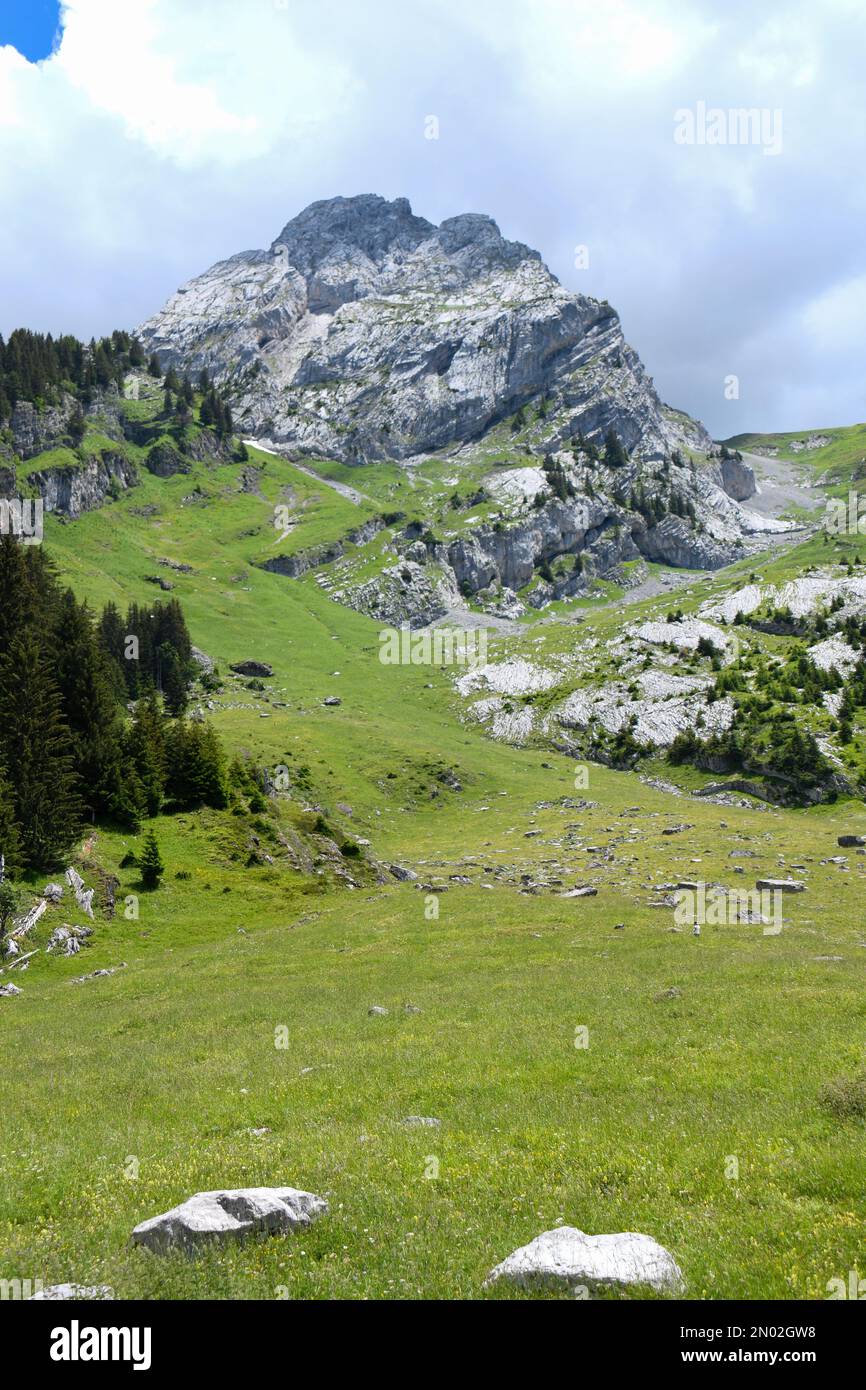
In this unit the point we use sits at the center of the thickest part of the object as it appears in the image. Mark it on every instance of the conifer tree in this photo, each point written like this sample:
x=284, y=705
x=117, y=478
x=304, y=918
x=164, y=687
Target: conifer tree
x=174, y=679
x=196, y=766
x=112, y=636
x=76, y=428
x=91, y=712
x=150, y=862
x=35, y=743
x=146, y=749
x=614, y=453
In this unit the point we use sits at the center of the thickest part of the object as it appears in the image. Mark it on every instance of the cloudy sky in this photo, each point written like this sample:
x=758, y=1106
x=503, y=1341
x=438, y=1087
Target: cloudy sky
x=153, y=137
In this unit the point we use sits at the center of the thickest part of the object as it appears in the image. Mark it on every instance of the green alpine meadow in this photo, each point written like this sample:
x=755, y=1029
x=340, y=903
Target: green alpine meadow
x=432, y=673
x=355, y=959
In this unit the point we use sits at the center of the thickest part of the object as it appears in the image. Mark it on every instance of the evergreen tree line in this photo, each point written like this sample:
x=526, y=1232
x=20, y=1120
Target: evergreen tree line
x=37, y=367
x=69, y=755
x=214, y=412
x=758, y=742
x=149, y=649
x=558, y=480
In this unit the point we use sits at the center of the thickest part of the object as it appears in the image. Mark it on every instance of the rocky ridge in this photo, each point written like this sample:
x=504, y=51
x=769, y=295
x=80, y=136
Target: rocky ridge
x=366, y=332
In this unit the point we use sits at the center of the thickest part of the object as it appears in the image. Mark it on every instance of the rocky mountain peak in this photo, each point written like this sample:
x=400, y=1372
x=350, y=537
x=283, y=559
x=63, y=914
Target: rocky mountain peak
x=368, y=332
x=367, y=223
x=385, y=233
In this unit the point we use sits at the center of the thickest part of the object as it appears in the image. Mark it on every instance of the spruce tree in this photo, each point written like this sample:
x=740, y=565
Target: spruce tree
x=197, y=775
x=614, y=453
x=174, y=680
x=76, y=427
x=150, y=862
x=146, y=750
x=35, y=744
x=112, y=636
x=91, y=712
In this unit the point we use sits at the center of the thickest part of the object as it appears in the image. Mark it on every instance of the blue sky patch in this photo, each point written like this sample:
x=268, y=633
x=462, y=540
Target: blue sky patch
x=31, y=26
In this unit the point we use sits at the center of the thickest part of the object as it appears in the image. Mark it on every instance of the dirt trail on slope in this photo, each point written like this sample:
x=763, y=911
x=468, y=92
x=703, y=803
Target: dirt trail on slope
x=351, y=493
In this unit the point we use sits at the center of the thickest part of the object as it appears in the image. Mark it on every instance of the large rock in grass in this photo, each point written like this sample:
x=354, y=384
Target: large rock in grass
x=401, y=874
x=252, y=668
x=570, y=1258
x=229, y=1215
x=780, y=885
x=165, y=460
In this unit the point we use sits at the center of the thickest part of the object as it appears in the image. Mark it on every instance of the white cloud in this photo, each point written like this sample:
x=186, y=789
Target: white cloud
x=165, y=134
x=218, y=81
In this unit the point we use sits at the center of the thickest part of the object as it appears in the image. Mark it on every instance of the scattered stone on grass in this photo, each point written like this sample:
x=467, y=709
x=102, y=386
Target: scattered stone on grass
x=568, y=1257
x=228, y=1215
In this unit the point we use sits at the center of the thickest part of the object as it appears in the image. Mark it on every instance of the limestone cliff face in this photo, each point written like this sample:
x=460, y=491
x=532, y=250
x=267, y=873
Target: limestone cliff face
x=73, y=491
x=32, y=430
x=366, y=332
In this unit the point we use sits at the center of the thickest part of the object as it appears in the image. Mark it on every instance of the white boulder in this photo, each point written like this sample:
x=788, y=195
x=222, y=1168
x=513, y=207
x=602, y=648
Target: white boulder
x=229, y=1215
x=569, y=1257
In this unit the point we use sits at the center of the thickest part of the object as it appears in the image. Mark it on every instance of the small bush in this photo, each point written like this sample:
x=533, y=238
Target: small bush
x=845, y=1096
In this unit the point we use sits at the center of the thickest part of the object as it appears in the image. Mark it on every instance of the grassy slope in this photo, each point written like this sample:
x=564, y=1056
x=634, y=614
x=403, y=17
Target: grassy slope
x=838, y=460
x=172, y=1060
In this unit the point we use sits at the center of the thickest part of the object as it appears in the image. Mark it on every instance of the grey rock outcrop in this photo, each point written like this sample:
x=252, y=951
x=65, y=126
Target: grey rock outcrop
x=781, y=885
x=72, y=490
x=32, y=430
x=405, y=593
x=229, y=1215
x=366, y=332
x=83, y=896
x=737, y=478
x=569, y=1258
x=592, y=533
x=401, y=874
x=204, y=662
x=165, y=460
x=252, y=668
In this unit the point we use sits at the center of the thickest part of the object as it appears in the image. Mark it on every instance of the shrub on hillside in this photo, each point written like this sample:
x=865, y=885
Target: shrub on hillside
x=845, y=1096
